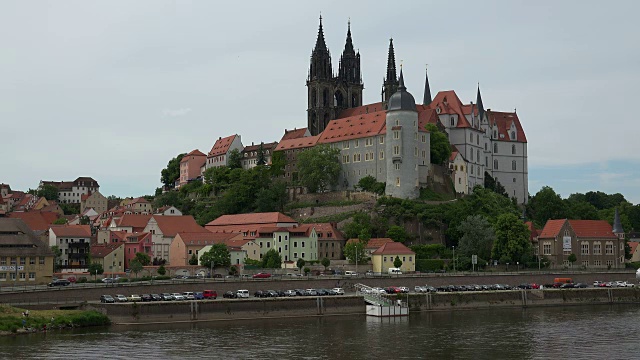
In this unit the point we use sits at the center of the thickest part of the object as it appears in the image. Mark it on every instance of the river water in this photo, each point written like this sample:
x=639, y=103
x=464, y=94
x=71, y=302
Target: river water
x=579, y=332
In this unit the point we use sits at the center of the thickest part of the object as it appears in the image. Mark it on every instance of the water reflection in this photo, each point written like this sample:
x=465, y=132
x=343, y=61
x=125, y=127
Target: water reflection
x=589, y=332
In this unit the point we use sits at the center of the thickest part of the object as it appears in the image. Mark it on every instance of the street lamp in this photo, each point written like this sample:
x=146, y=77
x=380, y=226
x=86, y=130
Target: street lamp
x=454, y=258
x=517, y=265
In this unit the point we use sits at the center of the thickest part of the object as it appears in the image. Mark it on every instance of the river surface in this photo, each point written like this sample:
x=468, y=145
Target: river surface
x=578, y=332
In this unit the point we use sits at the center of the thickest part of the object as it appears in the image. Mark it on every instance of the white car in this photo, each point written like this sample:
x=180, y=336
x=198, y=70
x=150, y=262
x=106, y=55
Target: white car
x=188, y=295
x=404, y=289
x=623, y=284
x=242, y=294
x=134, y=298
x=378, y=290
x=420, y=289
x=338, y=291
x=178, y=297
x=121, y=298
x=290, y=293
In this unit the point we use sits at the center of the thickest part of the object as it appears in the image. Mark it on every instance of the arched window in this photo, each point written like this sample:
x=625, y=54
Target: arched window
x=495, y=164
x=325, y=97
x=314, y=99
x=513, y=164
x=513, y=149
x=495, y=148
x=338, y=99
x=354, y=100
x=471, y=138
x=513, y=135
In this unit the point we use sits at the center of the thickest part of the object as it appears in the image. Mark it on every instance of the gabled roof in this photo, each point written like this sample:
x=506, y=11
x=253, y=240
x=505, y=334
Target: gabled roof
x=532, y=229
x=373, y=243
x=552, y=228
x=449, y=103
x=582, y=229
x=298, y=143
x=195, y=152
x=71, y=230
x=36, y=220
x=294, y=134
x=393, y=248
x=135, y=221
x=353, y=127
x=172, y=225
x=634, y=246
x=253, y=218
x=361, y=110
x=206, y=236
x=503, y=121
x=222, y=146
x=102, y=250
x=256, y=147
x=324, y=229
x=19, y=240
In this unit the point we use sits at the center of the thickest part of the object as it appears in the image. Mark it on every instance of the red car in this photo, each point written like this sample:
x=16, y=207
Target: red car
x=535, y=286
x=261, y=276
x=210, y=294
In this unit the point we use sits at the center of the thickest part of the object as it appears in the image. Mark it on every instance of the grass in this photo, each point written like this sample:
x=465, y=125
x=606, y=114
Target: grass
x=11, y=319
x=430, y=195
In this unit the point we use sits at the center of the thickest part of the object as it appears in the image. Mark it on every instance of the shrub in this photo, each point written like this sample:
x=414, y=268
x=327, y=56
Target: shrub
x=429, y=264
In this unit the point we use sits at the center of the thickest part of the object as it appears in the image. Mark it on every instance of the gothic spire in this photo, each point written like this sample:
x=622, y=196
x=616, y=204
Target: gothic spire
x=479, y=104
x=617, y=224
x=391, y=64
x=320, y=43
x=427, y=90
x=401, y=81
x=348, y=46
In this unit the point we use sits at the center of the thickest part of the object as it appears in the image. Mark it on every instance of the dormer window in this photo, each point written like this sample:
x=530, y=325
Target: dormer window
x=495, y=148
x=453, y=121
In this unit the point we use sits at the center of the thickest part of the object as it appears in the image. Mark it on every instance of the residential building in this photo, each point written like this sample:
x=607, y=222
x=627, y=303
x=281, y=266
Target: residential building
x=70, y=192
x=168, y=210
x=5, y=190
x=249, y=224
x=24, y=258
x=330, y=241
x=595, y=243
x=190, y=166
x=251, y=154
x=635, y=255
x=185, y=245
x=383, y=258
x=94, y=200
x=290, y=148
x=219, y=154
x=295, y=133
x=38, y=221
x=4, y=206
x=73, y=241
x=236, y=253
x=129, y=223
x=457, y=166
x=110, y=256
x=372, y=245
x=164, y=229
x=139, y=205
x=292, y=243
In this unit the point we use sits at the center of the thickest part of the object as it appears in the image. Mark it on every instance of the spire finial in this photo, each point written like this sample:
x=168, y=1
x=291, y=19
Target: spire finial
x=479, y=103
x=426, y=100
x=401, y=86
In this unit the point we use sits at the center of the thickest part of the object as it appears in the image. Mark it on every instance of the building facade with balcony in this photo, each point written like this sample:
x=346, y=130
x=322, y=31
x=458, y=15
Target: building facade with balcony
x=73, y=241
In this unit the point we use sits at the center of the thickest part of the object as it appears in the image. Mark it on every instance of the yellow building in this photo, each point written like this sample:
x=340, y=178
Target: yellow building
x=110, y=256
x=21, y=248
x=383, y=258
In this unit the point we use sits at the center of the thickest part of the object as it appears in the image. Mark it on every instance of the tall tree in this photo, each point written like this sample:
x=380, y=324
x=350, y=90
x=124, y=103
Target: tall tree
x=135, y=266
x=171, y=173
x=355, y=250
x=319, y=168
x=95, y=269
x=261, y=160
x=360, y=224
x=143, y=258
x=439, y=145
x=235, y=159
x=278, y=163
x=494, y=185
x=218, y=254
x=193, y=260
x=397, y=233
x=512, y=239
x=545, y=205
x=49, y=192
x=272, y=260
x=477, y=237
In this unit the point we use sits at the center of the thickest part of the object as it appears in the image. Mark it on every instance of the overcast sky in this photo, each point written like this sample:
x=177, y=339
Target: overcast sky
x=114, y=89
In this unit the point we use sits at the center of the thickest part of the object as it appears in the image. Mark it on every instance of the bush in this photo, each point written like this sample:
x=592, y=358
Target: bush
x=633, y=265
x=82, y=280
x=425, y=265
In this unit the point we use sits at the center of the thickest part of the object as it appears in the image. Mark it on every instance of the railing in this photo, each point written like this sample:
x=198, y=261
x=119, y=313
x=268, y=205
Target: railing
x=372, y=296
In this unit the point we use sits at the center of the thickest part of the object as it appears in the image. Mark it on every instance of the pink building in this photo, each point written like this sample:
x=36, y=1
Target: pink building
x=133, y=244
x=190, y=166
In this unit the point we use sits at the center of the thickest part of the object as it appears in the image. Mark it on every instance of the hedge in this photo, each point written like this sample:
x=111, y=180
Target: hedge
x=429, y=264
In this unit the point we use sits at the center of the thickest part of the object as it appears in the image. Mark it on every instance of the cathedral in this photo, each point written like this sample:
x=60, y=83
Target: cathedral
x=389, y=141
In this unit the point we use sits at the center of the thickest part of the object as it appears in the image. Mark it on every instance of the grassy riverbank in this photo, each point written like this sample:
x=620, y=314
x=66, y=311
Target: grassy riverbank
x=13, y=321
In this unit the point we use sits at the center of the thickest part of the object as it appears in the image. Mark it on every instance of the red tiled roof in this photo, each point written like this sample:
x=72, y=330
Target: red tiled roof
x=592, y=228
x=353, y=127
x=633, y=245
x=36, y=220
x=532, y=230
x=102, y=250
x=256, y=147
x=139, y=200
x=253, y=218
x=293, y=134
x=206, y=236
x=373, y=243
x=361, y=110
x=449, y=103
x=71, y=230
x=325, y=229
x=503, y=120
x=222, y=145
x=393, y=248
x=135, y=221
x=551, y=228
x=297, y=143
x=172, y=225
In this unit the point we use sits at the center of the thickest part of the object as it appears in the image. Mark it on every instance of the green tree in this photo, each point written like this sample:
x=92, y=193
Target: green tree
x=512, y=239
x=307, y=271
x=261, y=159
x=161, y=270
x=233, y=270
x=278, y=163
x=95, y=269
x=355, y=250
x=300, y=263
x=360, y=224
x=572, y=258
x=193, y=260
x=325, y=262
x=397, y=262
x=235, y=159
x=272, y=198
x=218, y=254
x=494, y=185
x=581, y=210
x=135, y=266
x=319, y=168
x=477, y=237
x=171, y=173
x=143, y=258
x=60, y=221
x=439, y=145
x=369, y=183
x=545, y=205
x=397, y=233
x=272, y=260
x=218, y=177
x=49, y=192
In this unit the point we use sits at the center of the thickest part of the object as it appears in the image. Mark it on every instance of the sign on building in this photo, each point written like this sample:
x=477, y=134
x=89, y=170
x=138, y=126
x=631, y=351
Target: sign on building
x=566, y=243
x=10, y=268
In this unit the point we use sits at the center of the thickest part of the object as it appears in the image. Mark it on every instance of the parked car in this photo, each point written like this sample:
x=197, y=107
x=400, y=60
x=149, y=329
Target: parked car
x=178, y=297
x=581, y=285
x=404, y=289
x=210, y=294
x=60, y=282
x=310, y=292
x=350, y=273
x=242, y=293
x=259, y=294
x=369, y=273
x=167, y=297
x=120, y=298
x=188, y=295
x=623, y=284
x=134, y=297
x=299, y=292
x=156, y=297
x=339, y=291
x=322, y=292
x=567, y=285
x=597, y=283
x=199, y=295
x=107, y=299
x=290, y=293
x=261, y=275
x=229, y=295
x=146, y=297
x=108, y=280
x=271, y=293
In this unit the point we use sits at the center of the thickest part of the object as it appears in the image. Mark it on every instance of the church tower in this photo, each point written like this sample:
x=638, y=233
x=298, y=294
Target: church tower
x=349, y=81
x=617, y=226
x=390, y=84
x=320, y=86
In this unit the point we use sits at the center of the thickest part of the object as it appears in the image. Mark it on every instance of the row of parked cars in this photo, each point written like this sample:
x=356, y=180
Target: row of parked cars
x=198, y=295
x=283, y=293
x=612, y=284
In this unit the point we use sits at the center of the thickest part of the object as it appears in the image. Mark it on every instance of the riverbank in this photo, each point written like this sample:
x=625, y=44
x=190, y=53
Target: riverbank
x=16, y=321
x=240, y=309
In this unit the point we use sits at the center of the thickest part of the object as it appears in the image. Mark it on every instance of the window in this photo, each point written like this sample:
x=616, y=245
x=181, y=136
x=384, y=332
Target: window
x=396, y=150
x=470, y=138
x=415, y=152
x=3, y=276
x=32, y=276
x=453, y=121
x=381, y=155
x=302, y=255
x=585, y=263
x=546, y=248
x=495, y=164
x=286, y=247
x=513, y=164
x=585, y=248
x=357, y=143
x=404, y=258
x=495, y=148
x=397, y=165
x=513, y=149
x=396, y=134
x=23, y=260
x=397, y=181
x=302, y=243
x=268, y=244
x=345, y=145
x=424, y=138
x=295, y=244
x=23, y=276
x=295, y=255
x=597, y=263
x=608, y=250
x=261, y=244
x=385, y=259
x=609, y=263
x=381, y=139
x=597, y=248
x=279, y=238
x=368, y=142
x=3, y=260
